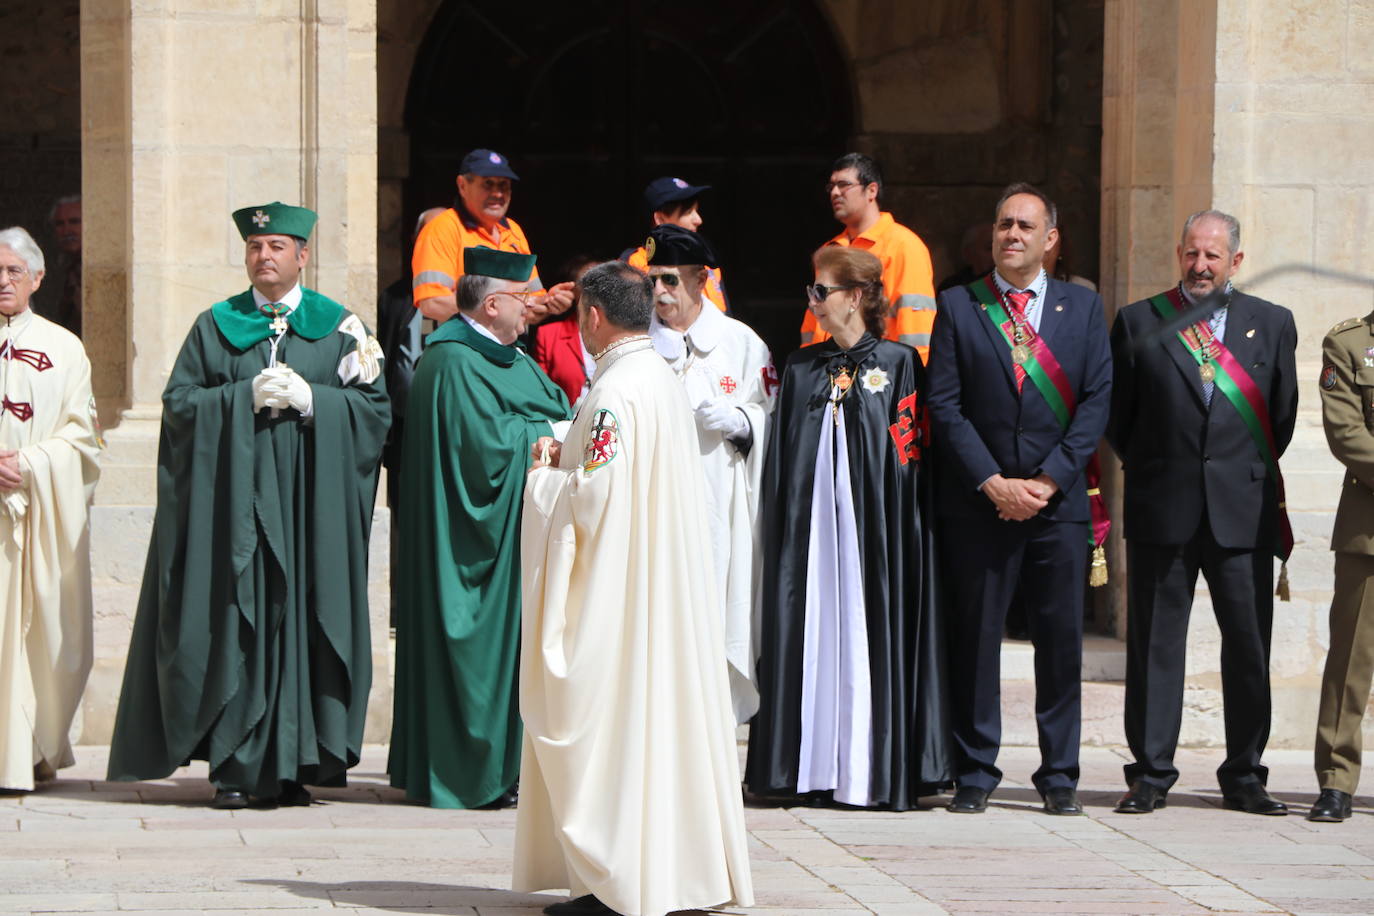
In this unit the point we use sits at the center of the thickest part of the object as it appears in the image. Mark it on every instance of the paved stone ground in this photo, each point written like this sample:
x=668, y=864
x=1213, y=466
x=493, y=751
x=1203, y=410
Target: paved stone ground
x=82, y=845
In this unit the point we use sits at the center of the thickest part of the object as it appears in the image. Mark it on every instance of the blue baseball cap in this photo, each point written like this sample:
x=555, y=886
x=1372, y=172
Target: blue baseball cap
x=667, y=190
x=488, y=164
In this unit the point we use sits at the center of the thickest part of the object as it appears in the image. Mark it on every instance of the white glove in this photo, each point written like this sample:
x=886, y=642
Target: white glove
x=264, y=388
x=720, y=415
x=288, y=389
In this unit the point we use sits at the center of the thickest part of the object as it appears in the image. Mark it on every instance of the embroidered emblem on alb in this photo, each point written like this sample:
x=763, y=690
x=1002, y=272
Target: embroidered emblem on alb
x=363, y=363
x=35, y=358
x=603, y=441
x=728, y=384
x=875, y=380
x=1328, y=380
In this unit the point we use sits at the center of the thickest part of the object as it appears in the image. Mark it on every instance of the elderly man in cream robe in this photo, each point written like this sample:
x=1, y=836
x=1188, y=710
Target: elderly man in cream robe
x=48, y=448
x=629, y=783
x=728, y=374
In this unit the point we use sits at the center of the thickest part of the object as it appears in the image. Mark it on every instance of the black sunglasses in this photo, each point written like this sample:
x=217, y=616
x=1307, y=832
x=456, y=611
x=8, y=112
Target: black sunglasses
x=669, y=280
x=819, y=292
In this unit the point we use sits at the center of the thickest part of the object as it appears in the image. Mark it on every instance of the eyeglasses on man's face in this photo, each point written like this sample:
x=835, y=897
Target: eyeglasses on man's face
x=669, y=280
x=525, y=296
x=841, y=186
x=15, y=272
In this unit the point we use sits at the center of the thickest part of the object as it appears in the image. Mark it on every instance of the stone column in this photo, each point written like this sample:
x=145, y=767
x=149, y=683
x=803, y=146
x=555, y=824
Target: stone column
x=191, y=109
x=1156, y=169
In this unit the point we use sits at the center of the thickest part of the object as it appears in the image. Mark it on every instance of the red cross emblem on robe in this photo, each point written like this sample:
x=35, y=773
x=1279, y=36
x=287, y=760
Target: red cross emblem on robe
x=912, y=429
x=770, y=380
x=728, y=384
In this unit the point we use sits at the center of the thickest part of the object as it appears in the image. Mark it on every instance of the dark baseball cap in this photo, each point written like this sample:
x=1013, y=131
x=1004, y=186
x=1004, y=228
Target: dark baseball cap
x=488, y=164
x=663, y=191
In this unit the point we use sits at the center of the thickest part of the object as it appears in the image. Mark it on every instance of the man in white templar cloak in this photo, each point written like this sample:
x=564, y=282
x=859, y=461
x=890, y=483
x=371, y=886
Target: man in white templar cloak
x=730, y=381
x=629, y=784
x=49, y=444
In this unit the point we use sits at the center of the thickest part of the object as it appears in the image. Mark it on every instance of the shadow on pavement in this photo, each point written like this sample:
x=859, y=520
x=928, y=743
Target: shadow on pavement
x=409, y=896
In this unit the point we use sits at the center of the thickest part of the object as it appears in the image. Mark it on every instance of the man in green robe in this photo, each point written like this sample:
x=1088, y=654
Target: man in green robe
x=477, y=404
x=251, y=646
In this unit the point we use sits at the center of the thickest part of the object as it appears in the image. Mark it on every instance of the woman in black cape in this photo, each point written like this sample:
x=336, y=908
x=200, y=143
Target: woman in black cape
x=851, y=665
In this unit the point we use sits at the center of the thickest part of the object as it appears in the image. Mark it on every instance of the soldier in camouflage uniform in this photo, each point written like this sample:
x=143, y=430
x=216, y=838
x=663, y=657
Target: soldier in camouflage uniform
x=1347, y=391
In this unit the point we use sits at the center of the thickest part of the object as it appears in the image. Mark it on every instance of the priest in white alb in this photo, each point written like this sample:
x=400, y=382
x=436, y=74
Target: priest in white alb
x=49, y=443
x=728, y=374
x=630, y=785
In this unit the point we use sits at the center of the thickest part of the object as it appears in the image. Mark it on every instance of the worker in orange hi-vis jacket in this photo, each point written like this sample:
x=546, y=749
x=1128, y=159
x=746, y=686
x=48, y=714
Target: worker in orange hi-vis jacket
x=855, y=191
x=477, y=219
x=672, y=200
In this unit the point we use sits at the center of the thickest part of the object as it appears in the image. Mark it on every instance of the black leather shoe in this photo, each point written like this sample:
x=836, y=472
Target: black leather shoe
x=1062, y=800
x=1142, y=798
x=1332, y=806
x=293, y=795
x=969, y=800
x=229, y=800
x=581, y=906
x=1253, y=798
x=507, y=799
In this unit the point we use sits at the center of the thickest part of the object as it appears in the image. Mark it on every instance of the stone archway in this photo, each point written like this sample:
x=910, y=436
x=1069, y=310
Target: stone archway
x=592, y=100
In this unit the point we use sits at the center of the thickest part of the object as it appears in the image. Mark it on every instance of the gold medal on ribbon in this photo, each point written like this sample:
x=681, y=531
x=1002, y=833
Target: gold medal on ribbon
x=1208, y=371
x=843, y=380
x=1020, y=354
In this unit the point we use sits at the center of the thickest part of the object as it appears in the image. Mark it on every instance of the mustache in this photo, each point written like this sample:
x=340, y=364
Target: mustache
x=665, y=299
x=1202, y=274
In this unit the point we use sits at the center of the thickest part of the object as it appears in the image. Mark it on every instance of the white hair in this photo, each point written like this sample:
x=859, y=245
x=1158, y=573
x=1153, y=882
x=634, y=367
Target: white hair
x=22, y=244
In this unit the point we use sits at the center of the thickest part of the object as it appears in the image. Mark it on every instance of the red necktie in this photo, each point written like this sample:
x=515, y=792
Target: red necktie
x=1018, y=301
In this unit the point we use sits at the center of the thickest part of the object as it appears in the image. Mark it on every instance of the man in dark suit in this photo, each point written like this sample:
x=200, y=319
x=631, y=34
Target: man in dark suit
x=1202, y=493
x=1020, y=384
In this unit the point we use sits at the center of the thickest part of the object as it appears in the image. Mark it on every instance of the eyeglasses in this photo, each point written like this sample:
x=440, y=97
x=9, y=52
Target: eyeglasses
x=14, y=271
x=841, y=186
x=669, y=280
x=819, y=292
x=524, y=297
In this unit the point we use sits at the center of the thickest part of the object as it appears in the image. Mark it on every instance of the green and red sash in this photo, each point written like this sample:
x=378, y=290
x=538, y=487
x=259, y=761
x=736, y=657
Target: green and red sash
x=1240, y=389
x=1053, y=384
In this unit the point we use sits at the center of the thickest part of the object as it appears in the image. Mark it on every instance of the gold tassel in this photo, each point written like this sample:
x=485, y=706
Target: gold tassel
x=1097, y=576
x=1282, y=591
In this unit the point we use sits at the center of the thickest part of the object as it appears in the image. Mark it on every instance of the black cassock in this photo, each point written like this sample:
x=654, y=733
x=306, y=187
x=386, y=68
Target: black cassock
x=883, y=422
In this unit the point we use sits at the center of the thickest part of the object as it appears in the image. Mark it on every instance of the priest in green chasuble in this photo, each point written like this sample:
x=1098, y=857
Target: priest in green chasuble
x=477, y=404
x=251, y=647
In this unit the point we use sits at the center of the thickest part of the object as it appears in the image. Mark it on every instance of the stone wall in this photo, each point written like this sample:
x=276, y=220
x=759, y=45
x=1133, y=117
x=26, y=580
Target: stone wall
x=1292, y=135
x=1260, y=109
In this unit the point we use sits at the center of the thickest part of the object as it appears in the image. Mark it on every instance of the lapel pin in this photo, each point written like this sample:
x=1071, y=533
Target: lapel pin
x=1059, y=308
x=1250, y=333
